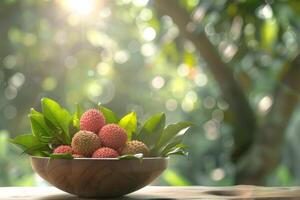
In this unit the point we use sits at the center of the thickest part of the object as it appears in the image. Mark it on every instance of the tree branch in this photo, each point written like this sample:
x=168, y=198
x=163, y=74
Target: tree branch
x=244, y=118
x=265, y=154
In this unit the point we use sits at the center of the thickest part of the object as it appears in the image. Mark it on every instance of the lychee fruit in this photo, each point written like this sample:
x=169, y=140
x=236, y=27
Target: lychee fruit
x=62, y=149
x=105, y=152
x=134, y=147
x=77, y=156
x=85, y=143
x=113, y=136
x=92, y=120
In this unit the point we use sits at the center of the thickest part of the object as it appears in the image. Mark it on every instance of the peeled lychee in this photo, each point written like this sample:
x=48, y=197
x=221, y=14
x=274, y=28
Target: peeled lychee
x=85, y=143
x=113, y=136
x=105, y=152
x=62, y=149
x=92, y=120
x=134, y=147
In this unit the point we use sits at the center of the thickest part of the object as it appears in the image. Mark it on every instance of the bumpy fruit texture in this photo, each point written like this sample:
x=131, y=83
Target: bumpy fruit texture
x=113, y=136
x=85, y=143
x=62, y=149
x=92, y=120
x=77, y=156
x=134, y=147
x=105, y=152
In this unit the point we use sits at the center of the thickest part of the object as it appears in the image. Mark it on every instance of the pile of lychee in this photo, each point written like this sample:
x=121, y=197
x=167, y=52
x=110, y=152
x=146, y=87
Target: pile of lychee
x=97, y=139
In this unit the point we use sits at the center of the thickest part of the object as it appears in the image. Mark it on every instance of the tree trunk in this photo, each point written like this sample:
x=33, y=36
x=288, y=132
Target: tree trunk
x=265, y=154
x=243, y=115
x=257, y=150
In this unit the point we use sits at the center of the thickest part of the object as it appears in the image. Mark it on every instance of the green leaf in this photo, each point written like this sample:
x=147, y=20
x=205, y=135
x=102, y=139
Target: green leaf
x=58, y=133
x=45, y=153
x=73, y=129
x=77, y=115
x=29, y=143
x=175, y=141
x=128, y=157
x=110, y=116
x=52, y=126
x=38, y=126
x=74, y=125
x=129, y=123
x=179, y=149
x=25, y=141
x=61, y=156
x=170, y=132
x=58, y=116
x=37, y=150
x=152, y=130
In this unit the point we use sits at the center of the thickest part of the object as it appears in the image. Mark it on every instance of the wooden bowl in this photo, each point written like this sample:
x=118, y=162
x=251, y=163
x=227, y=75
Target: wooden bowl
x=109, y=177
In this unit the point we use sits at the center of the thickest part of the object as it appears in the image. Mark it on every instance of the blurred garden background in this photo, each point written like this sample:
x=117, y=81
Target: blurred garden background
x=230, y=66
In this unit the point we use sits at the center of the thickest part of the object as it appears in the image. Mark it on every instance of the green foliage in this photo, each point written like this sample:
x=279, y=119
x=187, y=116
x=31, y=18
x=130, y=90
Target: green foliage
x=170, y=136
x=129, y=123
x=163, y=141
x=58, y=117
x=30, y=144
x=76, y=116
x=175, y=149
x=52, y=127
x=61, y=156
x=74, y=124
x=76, y=59
x=55, y=126
x=38, y=125
x=152, y=129
x=110, y=116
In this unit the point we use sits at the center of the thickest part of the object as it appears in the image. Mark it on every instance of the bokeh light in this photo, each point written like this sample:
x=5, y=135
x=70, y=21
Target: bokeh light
x=217, y=174
x=158, y=82
x=265, y=104
x=81, y=7
x=129, y=56
x=149, y=34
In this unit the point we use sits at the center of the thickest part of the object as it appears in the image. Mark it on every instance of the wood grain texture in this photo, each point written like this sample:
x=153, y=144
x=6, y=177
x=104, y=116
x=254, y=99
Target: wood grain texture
x=162, y=193
x=99, y=177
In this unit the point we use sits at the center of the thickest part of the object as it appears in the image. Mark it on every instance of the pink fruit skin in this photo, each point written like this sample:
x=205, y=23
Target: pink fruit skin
x=92, y=120
x=105, y=152
x=113, y=136
x=62, y=149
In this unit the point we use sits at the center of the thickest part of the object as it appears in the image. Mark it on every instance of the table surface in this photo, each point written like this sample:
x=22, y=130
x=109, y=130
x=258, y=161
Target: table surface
x=162, y=193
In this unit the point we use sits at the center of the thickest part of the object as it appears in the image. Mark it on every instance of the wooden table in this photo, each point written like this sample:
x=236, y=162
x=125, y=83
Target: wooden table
x=162, y=193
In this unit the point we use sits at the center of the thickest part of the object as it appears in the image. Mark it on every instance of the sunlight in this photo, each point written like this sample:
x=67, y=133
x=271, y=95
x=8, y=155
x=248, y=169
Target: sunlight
x=265, y=104
x=81, y=7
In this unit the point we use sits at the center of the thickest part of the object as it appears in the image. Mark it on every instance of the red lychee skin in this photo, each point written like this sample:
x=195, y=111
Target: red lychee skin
x=62, y=149
x=113, y=136
x=92, y=120
x=105, y=152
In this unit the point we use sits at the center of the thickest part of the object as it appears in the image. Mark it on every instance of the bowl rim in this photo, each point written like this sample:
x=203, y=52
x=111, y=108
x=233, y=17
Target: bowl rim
x=105, y=159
